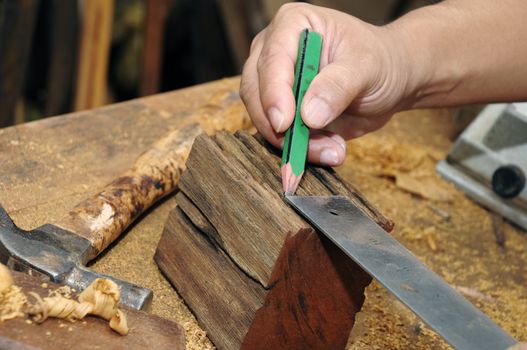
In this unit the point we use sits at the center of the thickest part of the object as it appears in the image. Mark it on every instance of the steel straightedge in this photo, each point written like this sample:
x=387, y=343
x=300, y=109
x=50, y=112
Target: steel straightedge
x=432, y=299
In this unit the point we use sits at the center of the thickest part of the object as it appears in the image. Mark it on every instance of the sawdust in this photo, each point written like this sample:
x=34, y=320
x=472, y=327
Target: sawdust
x=196, y=338
x=409, y=166
x=12, y=300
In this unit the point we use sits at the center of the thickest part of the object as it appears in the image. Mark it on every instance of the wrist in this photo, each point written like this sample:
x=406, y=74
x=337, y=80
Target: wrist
x=429, y=60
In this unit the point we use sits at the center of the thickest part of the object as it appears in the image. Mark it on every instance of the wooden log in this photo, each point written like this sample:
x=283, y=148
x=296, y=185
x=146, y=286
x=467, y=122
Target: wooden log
x=246, y=263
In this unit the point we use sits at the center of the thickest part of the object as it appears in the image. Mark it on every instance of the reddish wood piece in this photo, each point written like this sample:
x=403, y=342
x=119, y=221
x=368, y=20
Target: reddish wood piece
x=315, y=295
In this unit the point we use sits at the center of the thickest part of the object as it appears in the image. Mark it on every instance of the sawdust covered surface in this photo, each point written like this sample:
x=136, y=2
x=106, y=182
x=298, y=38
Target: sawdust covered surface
x=446, y=230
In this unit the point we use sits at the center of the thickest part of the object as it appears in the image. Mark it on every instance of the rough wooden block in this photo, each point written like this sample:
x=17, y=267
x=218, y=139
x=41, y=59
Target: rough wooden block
x=247, y=265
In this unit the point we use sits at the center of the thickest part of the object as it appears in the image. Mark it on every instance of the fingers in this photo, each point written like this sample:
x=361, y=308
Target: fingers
x=326, y=148
x=276, y=75
x=276, y=70
x=350, y=126
x=249, y=93
x=330, y=94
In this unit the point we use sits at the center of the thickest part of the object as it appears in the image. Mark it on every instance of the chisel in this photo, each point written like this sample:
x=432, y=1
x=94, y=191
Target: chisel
x=297, y=136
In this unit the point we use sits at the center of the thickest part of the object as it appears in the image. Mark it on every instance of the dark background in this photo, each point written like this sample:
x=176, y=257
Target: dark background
x=201, y=40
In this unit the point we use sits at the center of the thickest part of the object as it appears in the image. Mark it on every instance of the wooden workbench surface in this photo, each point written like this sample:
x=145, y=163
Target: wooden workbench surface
x=50, y=165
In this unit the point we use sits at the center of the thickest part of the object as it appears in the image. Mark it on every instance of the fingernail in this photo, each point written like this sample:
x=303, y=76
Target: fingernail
x=329, y=156
x=276, y=117
x=340, y=141
x=317, y=112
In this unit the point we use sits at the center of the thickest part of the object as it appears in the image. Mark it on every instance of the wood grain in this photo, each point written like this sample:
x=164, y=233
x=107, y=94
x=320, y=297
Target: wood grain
x=234, y=250
x=146, y=331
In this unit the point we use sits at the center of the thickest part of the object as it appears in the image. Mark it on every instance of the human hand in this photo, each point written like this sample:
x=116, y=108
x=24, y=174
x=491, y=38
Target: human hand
x=364, y=78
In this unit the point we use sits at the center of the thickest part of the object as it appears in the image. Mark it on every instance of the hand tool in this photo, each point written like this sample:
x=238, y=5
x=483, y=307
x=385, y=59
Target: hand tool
x=384, y=258
x=297, y=136
x=146, y=330
x=489, y=163
x=61, y=250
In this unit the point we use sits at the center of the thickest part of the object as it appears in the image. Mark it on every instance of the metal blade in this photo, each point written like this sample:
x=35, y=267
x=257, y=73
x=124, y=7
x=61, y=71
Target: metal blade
x=432, y=299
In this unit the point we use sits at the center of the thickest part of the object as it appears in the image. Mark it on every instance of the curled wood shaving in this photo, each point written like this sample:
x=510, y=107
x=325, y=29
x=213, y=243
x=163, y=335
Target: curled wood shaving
x=12, y=300
x=104, y=295
x=101, y=298
x=59, y=307
x=118, y=323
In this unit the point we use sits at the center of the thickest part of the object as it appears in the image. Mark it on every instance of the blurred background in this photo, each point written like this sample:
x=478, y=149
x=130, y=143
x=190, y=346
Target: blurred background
x=59, y=56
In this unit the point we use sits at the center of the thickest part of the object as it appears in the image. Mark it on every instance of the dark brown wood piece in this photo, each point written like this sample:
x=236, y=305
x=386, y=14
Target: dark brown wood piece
x=146, y=331
x=63, y=38
x=246, y=263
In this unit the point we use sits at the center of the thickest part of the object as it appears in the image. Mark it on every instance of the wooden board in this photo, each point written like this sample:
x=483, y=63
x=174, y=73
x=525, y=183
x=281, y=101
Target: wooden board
x=146, y=331
x=234, y=249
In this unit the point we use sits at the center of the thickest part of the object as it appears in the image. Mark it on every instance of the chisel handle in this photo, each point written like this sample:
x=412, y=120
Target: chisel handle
x=103, y=217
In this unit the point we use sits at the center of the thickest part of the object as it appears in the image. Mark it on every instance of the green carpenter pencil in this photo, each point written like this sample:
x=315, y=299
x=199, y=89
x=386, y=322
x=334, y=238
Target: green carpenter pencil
x=297, y=136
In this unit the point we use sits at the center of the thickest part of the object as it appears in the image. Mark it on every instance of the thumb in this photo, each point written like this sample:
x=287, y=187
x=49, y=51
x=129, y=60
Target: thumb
x=329, y=94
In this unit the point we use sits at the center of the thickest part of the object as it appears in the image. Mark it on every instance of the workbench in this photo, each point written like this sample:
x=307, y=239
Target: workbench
x=50, y=165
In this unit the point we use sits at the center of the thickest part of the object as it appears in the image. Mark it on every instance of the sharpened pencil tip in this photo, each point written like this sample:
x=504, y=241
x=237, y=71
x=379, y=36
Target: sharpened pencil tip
x=290, y=181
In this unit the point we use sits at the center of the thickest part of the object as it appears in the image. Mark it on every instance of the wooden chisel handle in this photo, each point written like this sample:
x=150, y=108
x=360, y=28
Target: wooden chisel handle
x=103, y=217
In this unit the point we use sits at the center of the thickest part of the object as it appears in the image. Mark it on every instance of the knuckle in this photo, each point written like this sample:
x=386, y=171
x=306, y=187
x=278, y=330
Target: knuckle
x=265, y=59
x=256, y=41
x=245, y=89
x=290, y=7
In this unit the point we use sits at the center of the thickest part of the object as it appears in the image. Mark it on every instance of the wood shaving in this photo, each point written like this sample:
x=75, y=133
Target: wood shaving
x=59, y=307
x=474, y=293
x=104, y=295
x=423, y=187
x=12, y=300
x=411, y=167
x=101, y=298
x=118, y=323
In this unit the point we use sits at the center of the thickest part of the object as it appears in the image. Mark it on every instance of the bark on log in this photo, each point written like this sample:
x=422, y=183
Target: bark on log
x=247, y=264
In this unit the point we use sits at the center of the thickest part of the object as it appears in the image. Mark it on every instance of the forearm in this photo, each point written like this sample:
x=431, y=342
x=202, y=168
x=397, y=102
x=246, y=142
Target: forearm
x=464, y=51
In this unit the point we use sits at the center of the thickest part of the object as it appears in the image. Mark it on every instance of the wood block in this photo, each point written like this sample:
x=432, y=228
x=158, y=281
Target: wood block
x=246, y=264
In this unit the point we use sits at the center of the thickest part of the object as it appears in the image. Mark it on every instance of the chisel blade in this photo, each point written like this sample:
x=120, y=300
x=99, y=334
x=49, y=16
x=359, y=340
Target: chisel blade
x=432, y=299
